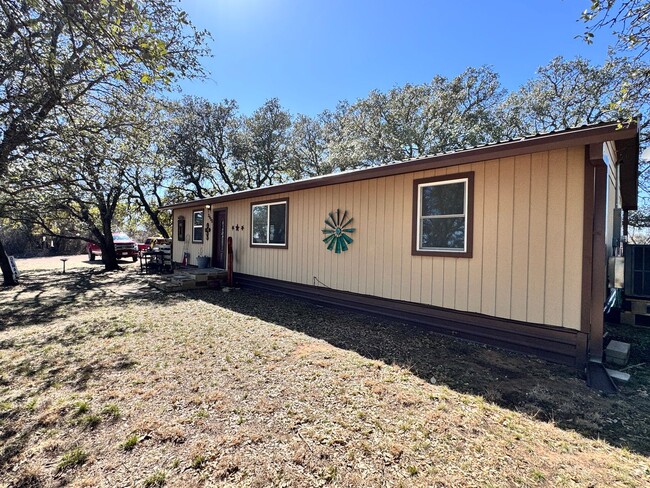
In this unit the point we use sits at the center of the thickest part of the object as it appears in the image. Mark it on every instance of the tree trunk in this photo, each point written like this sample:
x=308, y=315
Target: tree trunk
x=153, y=215
x=109, y=256
x=7, y=273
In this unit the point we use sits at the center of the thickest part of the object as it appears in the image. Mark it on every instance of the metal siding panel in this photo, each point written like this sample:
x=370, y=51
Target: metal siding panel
x=372, y=239
x=379, y=261
x=405, y=236
x=521, y=228
x=365, y=233
x=514, y=273
x=418, y=262
x=344, y=269
x=490, y=221
x=556, y=209
x=573, y=239
x=358, y=249
x=504, y=237
x=537, y=232
x=476, y=263
x=320, y=213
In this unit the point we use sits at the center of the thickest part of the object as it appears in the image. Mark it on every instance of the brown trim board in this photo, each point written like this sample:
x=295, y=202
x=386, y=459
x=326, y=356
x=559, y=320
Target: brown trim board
x=545, y=142
x=599, y=253
x=587, y=244
x=556, y=344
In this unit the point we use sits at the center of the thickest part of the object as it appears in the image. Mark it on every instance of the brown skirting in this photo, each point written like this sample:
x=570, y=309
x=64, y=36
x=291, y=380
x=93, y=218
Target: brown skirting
x=556, y=344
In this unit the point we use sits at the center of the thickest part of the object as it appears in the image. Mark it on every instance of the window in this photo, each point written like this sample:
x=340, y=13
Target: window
x=180, y=234
x=269, y=223
x=197, y=226
x=442, y=211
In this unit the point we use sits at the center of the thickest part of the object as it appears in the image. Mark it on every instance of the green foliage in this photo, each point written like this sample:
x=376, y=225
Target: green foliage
x=200, y=140
x=416, y=120
x=569, y=93
x=198, y=461
x=72, y=458
x=111, y=410
x=61, y=53
x=80, y=407
x=156, y=479
x=629, y=20
x=130, y=442
x=71, y=70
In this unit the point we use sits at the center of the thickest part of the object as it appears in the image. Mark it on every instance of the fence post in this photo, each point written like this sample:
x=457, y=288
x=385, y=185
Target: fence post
x=230, y=283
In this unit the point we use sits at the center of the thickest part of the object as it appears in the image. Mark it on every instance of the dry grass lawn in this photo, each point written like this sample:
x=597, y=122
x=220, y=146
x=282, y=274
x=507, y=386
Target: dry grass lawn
x=107, y=382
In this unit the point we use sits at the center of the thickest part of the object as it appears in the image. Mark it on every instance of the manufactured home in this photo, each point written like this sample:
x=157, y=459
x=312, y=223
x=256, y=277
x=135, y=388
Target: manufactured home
x=505, y=244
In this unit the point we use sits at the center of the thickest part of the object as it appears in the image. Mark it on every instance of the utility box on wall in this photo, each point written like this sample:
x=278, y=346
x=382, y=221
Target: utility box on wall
x=616, y=272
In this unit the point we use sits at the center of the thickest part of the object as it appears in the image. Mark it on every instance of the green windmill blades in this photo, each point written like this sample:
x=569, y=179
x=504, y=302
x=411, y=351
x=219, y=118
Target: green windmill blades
x=337, y=230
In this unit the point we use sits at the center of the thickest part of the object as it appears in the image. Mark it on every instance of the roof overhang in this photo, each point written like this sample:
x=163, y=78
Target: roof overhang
x=625, y=136
x=627, y=151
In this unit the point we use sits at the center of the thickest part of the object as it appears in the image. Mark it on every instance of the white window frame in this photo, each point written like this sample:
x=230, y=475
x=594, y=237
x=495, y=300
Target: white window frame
x=465, y=215
x=194, y=226
x=268, y=223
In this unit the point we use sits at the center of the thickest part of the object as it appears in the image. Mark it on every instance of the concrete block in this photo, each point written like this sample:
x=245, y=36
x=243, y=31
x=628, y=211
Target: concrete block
x=639, y=307
x=628, y=318
x=617, y=353
x=618, y=375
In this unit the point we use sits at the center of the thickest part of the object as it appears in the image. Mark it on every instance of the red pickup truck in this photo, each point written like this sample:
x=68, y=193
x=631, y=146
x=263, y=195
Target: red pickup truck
x=124, y=247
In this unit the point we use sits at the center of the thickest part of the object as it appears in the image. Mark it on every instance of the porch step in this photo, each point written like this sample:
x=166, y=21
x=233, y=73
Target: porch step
x=190, y=278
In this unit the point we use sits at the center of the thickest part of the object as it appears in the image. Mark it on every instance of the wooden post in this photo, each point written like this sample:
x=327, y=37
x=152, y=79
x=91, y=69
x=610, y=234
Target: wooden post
x=230, y=282
x=598, y=263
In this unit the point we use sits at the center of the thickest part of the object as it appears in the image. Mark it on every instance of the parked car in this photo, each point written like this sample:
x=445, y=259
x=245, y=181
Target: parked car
x=151, y=242
x=124, y=247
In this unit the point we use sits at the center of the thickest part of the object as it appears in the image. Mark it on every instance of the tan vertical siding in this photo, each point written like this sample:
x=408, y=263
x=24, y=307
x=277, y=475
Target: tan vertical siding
x=194, y=248
x=526, y=262
x=556, y=231
x=489, y=244
x=573, y=237
x=521, y=238
x=419, y=266
x=505, y=236
x=537, y=237
x=475, y=290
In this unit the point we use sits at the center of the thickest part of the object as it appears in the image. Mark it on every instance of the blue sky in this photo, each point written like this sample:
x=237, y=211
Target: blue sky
x=312, y=53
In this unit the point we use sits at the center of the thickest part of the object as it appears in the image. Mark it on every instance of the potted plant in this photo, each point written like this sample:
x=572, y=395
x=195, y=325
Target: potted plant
x=202, y=261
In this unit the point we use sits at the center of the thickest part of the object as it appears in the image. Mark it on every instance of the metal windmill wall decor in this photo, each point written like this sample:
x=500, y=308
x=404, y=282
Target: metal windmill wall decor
x=337, y=232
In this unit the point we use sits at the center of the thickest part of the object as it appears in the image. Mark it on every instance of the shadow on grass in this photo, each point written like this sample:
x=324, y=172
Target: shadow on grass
x=43, y=296
x=545, y=391
x=528, y=385
x=16, y=434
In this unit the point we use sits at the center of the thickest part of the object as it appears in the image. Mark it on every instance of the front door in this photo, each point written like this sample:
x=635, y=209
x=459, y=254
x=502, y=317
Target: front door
x=220, y=238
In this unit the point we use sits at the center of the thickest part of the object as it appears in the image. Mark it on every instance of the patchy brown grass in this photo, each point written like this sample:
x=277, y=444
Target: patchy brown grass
x=105, y=382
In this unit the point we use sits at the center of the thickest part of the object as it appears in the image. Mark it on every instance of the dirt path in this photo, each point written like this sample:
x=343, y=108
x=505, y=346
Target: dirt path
x=78, y=261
